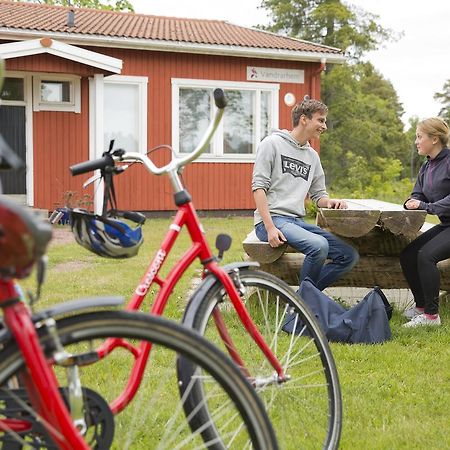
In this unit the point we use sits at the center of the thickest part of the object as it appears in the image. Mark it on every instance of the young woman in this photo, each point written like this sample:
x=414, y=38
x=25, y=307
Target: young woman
x=431, y=193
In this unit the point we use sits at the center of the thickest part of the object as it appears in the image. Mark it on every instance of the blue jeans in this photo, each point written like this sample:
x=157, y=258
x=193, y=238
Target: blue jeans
x=317, y=245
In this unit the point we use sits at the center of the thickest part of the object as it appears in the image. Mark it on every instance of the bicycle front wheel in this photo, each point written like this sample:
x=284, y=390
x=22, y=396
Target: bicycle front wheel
x=155, y=419
x=306, y=410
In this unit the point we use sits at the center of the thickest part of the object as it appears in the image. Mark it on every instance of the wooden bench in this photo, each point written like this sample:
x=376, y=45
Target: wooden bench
x=379, y=231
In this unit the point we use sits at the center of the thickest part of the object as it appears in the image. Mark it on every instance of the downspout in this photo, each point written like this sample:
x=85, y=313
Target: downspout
x=315, y=86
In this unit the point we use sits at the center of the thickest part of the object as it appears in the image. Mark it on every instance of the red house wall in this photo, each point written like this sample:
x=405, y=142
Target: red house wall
x=62, y=138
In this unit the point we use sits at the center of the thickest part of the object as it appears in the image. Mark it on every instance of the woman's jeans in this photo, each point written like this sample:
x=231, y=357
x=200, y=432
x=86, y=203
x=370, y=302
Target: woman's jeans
x=318, y=246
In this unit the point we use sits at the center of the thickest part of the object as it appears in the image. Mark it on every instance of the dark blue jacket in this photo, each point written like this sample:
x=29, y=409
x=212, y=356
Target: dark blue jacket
x=432, y=186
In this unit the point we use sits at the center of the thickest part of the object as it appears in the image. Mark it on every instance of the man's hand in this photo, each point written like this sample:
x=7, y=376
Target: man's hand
x=412, y=204
x=275, y=237
x=331, y=203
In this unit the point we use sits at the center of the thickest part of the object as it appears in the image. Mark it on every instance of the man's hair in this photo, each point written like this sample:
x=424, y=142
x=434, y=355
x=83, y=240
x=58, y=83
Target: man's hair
x=308, y=107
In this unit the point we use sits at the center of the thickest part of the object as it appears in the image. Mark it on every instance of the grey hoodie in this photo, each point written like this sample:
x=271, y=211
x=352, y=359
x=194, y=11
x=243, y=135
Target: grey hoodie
x=287, y=171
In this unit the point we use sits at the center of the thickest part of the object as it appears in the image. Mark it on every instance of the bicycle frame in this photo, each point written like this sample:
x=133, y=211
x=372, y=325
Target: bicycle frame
x=40, y=380
x=186, y=216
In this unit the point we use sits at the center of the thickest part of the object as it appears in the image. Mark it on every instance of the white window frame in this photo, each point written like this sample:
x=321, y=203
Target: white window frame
x=27, y=103
x=217, y=154
x=73, y=105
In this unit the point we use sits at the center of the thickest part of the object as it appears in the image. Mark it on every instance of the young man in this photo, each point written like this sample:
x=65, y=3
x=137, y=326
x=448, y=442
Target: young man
x=286, y=169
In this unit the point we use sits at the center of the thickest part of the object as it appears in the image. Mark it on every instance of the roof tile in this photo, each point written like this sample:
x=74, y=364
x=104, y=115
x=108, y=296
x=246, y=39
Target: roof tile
x=45, y=18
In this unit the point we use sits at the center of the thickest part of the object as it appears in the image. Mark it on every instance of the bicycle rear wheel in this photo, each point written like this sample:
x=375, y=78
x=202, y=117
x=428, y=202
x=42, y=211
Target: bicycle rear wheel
x=306, y=410
x=155, y=418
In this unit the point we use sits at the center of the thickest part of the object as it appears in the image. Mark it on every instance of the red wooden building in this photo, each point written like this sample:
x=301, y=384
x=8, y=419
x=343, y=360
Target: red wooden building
x=78, y=78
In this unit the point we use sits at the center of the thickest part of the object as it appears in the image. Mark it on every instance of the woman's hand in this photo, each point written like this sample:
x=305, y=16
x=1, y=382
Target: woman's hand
x=412, y=204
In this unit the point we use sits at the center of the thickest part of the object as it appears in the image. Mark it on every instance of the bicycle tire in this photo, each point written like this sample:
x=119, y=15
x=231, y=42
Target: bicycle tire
x=306, y=411
x=78, y=333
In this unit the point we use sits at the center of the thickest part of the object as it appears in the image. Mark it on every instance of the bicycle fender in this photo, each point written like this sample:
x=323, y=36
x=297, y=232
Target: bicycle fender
x=66, y=308
x=206, y=284
x=77, y=305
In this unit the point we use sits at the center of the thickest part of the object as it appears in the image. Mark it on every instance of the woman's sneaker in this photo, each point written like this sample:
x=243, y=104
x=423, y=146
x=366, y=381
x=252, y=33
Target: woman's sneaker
x=422, y=320
x=410, y=313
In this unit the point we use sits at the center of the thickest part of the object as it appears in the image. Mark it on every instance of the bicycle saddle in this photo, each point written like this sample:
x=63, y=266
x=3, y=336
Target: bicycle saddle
x=23, y=239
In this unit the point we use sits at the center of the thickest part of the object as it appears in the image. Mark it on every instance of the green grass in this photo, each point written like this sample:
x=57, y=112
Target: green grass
x=395, y=395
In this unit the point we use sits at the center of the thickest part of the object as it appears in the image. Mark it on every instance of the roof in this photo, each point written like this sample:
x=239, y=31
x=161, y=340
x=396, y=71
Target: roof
x=145, y=31
x=46, y=45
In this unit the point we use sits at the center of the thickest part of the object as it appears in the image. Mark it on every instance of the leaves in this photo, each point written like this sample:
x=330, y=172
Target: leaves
x=444, y=98
x=363, y=123
x=111, y=5
x=328, y=22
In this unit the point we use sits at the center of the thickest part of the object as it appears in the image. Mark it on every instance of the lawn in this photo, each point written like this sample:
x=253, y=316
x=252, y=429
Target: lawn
x=395, y=395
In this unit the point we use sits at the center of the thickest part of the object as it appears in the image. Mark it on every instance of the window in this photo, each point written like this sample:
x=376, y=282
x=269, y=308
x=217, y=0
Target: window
x=56, y=93
x=125, y=112
x=252, y=110
x=195, y=114
x=13, y=90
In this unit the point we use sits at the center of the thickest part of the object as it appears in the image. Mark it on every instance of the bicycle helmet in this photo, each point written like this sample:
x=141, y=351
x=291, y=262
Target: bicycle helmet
x=23, y=239
x=105, y=236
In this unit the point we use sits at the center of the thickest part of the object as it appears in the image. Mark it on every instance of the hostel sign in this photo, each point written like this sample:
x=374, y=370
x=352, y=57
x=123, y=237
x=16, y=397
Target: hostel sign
x=274, y=74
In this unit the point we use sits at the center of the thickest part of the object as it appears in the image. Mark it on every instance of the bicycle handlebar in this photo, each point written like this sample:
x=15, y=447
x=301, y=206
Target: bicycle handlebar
x=90, y=166
x=175, y=164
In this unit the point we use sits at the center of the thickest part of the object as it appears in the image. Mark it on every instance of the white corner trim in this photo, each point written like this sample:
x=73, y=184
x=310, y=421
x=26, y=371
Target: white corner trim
x=96, y=133
x=67, y=51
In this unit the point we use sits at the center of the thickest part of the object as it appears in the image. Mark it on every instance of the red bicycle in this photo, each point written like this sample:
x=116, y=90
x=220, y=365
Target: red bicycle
x=55, y=385
x=242, y=310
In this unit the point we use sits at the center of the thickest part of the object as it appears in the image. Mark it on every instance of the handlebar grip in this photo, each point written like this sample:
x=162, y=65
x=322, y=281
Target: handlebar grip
x=90, y=166
x=219, y=98
x=134, y=216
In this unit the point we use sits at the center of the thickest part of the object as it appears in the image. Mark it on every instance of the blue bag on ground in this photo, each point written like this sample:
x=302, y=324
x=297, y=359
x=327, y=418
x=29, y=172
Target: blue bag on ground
x=366, y=322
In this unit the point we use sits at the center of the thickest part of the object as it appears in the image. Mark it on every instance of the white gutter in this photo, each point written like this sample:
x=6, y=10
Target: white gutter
x=174, y=46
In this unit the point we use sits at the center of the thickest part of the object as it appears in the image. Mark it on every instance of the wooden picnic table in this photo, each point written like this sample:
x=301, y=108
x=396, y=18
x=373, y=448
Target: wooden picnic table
x=379, y=230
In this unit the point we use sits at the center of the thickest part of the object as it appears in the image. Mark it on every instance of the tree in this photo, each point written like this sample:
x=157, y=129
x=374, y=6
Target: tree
x=415, y=159
x=444, y=98
x=363, y=125
x=328, y=22
x=112, y=5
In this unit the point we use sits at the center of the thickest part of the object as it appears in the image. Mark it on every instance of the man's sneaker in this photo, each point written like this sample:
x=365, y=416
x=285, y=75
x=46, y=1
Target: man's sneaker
x=410, y=313
x=422, y=320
